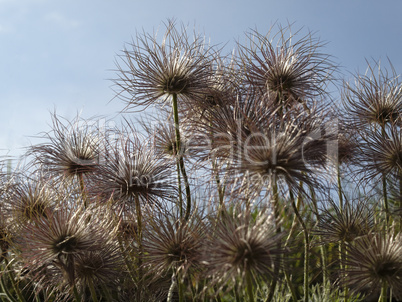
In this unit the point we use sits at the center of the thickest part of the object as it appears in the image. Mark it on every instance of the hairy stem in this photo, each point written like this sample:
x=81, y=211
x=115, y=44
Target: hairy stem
x=385, y=196
x=82, y=187
x=340, y=195
x=92, y=290
x=249, y=282
x=383, y=296
x=139, y=238
x=275, y=195
x=323, y=252
x=306, y=251
x=180, y=155
x=179, y=190
x=171, y=288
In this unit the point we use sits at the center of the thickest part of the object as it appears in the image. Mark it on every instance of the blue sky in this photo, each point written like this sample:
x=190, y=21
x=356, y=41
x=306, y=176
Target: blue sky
x=60, y=55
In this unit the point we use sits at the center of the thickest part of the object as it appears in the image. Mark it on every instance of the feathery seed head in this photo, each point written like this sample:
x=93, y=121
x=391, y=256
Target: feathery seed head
x=292, y=71
x=133, y=170
x=170, y=243
x=154, y=71
x=73, y=149
x=354, y=219
x=375, y=98
x=381, y=153
x=373, y=260
x=243, y=245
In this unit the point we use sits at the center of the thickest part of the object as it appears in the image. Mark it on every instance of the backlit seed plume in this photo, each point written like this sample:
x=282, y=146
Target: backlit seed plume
x=373, y=260
x=285, y=64
x=163, y=137
x=242, y=245
x=170, y=243
x=151, y=70
x=381, y=154
x=31, y=200
x=72, y=149
x=265, y=149
x=224, y=83
x=354, y=219
x=101, y=268
x=375, y=98
x=132, y=169
x=58, y=240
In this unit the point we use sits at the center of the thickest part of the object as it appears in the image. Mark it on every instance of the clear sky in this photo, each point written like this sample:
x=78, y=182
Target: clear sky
x=60, y=54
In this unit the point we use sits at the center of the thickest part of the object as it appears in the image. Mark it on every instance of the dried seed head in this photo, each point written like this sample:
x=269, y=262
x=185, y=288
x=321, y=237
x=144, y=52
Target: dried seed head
x=32, y=200
x=375, y=98
x=133, y=170
x=294, y=70
x=153, y=71
x=59, y=239
x=243, y=245
x=170, y=243
x=354, y=219
x=72, y=149
x=101, y=268
x=381, y=153
x=373, y=260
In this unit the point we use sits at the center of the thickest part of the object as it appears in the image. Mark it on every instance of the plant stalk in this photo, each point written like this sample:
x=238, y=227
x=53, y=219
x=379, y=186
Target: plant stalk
x=180, y=155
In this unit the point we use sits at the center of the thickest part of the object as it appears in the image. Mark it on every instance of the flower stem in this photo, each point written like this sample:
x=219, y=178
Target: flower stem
x=400, y=200
x=249, y=287
x=180, y=286
x=275, y=198
x=385, y=196
x=323, y=251
x=139, y=238
x=77, y=296
x=92, y=290
x=339, y=187
x=171, y=288
x=180, y=155
x=306, y=251
x=82, y=187
x=383, y=296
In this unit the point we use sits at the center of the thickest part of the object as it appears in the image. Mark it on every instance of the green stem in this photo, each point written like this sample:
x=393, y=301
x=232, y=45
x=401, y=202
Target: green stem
x=4, y=287
x=221, y=188
x=383, y=296
x=126, y=260
x=400, y=200
x=237, y=297
x=343, y=259
x=385, y=196
x=171, y=288
x=107, y=293
x=180, y=286
x=179, y=190
x=139, y=238
x=290, y=285
x=92, y=290
x=339, y=187
x=77, y=296
x=292, y=230
x=384, y=185
x=249, y=282
x=14, y=285
x=323, y=252
x=82, y=187
x=187, y=187
x=306, y=251
x=275, y=195
x=180, y=155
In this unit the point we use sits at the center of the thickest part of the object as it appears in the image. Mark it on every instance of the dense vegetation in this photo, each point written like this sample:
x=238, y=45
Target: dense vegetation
x=241, y=179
